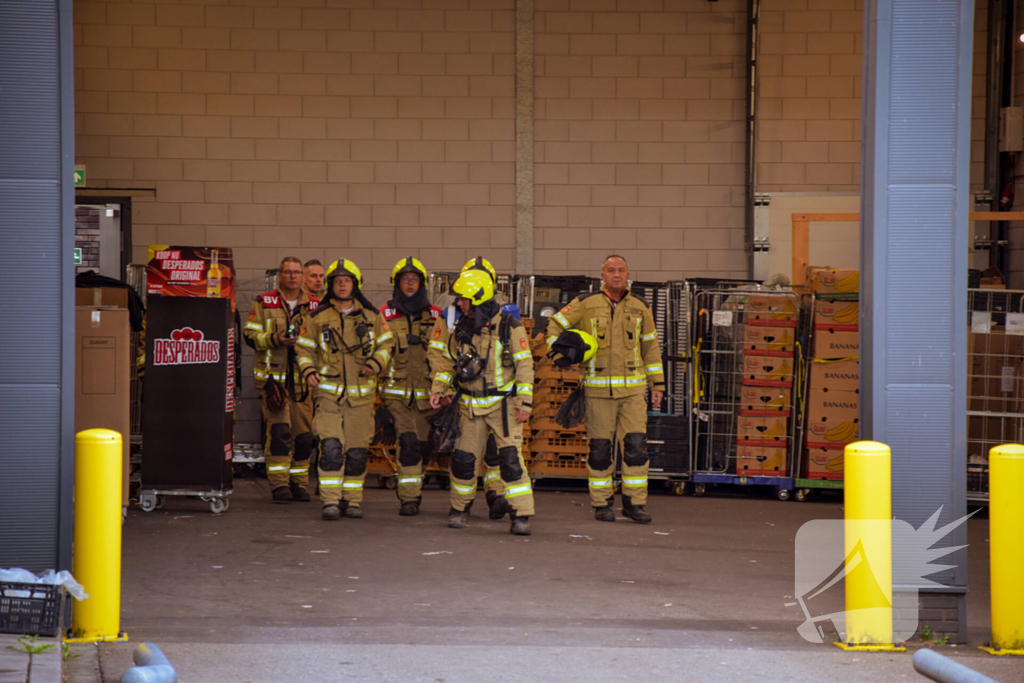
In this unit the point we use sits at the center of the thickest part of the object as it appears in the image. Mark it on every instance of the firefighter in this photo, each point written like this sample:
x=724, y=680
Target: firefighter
x=406, y=390
x=493, y=487
x=272, y=328
x=313, y=278
x=344, y=346
x=488, y=360
x=313, y=286
x=627, y=364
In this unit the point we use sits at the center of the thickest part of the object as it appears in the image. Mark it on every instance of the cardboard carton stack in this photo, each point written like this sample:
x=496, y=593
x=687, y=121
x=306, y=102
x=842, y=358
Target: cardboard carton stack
x=833, y=400
x=103, y=362
x=769, y=363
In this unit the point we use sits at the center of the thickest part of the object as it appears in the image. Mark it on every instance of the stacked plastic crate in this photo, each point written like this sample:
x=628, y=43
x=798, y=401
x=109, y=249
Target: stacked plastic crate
x=556, y=451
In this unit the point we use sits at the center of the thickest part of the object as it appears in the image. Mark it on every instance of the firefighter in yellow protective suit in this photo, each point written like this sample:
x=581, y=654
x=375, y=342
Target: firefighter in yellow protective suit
x=344, y=346
x=493, y=488
x=272, y=329
x=627, y=364
x=406, y=389
x=489, y=363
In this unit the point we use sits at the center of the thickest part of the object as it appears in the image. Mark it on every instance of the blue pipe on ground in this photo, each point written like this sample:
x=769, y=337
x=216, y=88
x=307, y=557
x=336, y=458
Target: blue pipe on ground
x=151, y=666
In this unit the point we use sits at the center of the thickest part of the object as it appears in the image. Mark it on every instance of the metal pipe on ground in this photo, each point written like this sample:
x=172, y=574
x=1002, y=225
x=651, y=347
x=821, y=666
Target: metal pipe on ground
x=944, y=670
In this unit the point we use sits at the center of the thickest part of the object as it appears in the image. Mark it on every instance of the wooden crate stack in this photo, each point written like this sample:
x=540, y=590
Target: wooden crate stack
x=554, y=450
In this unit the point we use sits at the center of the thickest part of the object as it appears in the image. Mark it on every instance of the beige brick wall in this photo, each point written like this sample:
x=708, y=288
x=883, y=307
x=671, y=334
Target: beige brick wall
x=639, y=136
x=809, y=107
x=372, y=129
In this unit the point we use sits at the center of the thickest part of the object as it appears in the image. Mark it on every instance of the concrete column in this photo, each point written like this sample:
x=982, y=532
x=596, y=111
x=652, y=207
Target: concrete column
x=915, y=200
x=524, y=135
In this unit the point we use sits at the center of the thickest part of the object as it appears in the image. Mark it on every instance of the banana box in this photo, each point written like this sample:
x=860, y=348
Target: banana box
x=823, y=462
x=835, y=344
x=774, y=310
x=761, y=461
x=834, y=280
x=833, y=418
x=762, y=431
x=763, y=371
x=766, y=401
x=836, y=315
x=835, y=375
x=768, y=341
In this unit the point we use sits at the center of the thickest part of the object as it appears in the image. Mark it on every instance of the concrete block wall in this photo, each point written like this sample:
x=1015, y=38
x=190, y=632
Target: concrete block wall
x=809, y=106
x=369, y=129
x=640, y=136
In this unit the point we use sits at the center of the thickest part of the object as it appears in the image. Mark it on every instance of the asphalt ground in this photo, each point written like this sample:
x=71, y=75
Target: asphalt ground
x=272, y=593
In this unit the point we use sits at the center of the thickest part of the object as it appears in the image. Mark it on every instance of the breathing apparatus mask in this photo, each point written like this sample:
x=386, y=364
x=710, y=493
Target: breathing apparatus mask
x=469, y=365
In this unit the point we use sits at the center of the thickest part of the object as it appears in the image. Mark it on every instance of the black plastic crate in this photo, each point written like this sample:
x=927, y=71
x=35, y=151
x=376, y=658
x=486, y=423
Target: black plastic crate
x=39, y=614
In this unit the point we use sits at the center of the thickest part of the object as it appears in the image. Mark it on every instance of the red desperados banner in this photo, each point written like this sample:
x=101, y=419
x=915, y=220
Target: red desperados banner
x=206, y=272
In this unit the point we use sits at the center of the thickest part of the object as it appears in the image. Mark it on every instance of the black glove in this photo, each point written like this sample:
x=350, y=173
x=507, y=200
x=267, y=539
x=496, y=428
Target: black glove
x=573, y=411
x=384, y=433
x=275, y=394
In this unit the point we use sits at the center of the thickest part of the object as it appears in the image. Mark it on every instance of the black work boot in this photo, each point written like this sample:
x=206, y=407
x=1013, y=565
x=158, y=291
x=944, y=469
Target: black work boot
x=604, y=514
x=490, y=496
x=331, y=512
x=456, y=519
x=499, y=507
x=410, y=508
x=520, y=525
x=635, y=512
x=352, y=512
x=299, y=493
x=282, y=494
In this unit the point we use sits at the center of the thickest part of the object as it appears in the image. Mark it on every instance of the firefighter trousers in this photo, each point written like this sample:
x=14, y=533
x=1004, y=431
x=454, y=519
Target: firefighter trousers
x=469, y=451
x=622, y=421
x=345, y=432
x=413, y=432
x=289, y=443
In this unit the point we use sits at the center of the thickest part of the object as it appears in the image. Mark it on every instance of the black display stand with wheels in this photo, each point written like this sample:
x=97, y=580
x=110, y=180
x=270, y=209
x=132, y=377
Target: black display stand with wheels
x=188, y=405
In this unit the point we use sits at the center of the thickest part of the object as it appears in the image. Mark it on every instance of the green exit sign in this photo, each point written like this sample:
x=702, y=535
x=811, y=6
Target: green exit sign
x=78, y=256
x=79, y=176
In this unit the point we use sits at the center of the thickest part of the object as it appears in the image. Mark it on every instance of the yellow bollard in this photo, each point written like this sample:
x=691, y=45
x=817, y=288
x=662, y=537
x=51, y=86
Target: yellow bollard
x=97, y=538
x=1006, y=548
x=868, y=547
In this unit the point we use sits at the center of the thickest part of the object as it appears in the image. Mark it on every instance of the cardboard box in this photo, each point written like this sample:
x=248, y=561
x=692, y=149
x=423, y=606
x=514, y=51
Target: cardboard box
x=767, y=372
x=762, y=431
x=995, y=372
x=836, y=315
x=833, y=280
x=103, y=365
x=761, y=461
x=830, y=344
x=843, y=375
x=110, y=297
x=759, y=340
x=833, y=417
x=766, y=401
x=779, y=310
x=823, y=462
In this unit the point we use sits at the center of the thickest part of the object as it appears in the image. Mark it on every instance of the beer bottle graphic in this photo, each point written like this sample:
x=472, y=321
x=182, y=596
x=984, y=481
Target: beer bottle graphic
x=213, y=277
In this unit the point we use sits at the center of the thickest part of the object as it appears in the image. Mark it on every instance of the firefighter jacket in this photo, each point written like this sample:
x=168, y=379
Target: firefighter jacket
x=508, y=364
x=408, y=374
x=628, y=358
x=267, y=316
x=337, y=345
